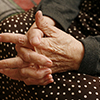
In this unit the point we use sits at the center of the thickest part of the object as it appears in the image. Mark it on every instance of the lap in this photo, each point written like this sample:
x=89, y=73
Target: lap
x=66, y=86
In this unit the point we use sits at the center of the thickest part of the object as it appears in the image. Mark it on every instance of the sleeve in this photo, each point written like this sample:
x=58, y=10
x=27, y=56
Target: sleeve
x=91, y=61
x=62, y=11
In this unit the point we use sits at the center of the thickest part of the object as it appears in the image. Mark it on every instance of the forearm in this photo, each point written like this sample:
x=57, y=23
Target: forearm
x=91, y=61
x=63, y=12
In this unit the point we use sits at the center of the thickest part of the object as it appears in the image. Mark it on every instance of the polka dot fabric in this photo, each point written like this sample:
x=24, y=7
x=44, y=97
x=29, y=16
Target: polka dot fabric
x=88, y=21
x=68, y=85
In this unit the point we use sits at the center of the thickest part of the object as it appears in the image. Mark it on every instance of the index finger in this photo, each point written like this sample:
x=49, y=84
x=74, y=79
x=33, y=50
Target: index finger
x=19, y=39
x=16, y=62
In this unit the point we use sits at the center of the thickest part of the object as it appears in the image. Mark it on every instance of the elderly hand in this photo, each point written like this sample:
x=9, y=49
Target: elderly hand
x=22, y=69
x=26, y=69
x=64, y=50
x=19, y=69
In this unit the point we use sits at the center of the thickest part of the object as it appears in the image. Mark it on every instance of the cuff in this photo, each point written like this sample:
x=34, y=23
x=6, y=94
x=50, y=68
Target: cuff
x=90, y=59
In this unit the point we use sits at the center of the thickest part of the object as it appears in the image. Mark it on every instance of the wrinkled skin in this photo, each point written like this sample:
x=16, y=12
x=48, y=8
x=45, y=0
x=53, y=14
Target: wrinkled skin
x=64, y=50
x=18, y=69
x=60, y=52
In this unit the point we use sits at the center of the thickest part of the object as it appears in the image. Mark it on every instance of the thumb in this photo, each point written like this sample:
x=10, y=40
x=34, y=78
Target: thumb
x=43, y=25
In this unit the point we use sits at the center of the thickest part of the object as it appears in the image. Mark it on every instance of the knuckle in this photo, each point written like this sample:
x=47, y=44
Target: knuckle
x=26, y=56
x=20, y=63
x=45, y=25
x=22, y=72
x=32, y=30
x=38, y=75
x=35, y=32
x=21, y=40
x=5, y=63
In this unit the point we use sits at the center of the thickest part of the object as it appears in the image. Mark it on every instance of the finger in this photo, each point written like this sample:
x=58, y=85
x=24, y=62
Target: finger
x=44, y=81
x=15, y=75
x=34, y=36
x=15, y=38
x=32, y=72
x=12, y=73
x=48, y=80
x=16, y=62
x=43, y=25
x=30, y=56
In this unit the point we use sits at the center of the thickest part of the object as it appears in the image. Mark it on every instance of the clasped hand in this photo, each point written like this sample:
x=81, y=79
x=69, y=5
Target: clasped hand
x=44, y=50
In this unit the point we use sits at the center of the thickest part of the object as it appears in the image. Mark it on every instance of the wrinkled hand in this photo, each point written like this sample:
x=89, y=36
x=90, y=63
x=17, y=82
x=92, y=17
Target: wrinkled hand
x=19, y=69
x=25, y=69
x=64, y=50
x=29, y=75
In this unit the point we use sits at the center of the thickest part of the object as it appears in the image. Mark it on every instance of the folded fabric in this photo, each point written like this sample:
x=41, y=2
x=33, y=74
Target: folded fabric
x=11, y=7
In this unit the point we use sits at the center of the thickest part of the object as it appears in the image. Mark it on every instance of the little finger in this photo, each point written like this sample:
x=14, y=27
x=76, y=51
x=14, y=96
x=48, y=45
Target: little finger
x=44, y=81
x=35, y=73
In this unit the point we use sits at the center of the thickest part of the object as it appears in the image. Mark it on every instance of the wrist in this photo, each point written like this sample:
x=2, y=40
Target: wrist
x=80, y=54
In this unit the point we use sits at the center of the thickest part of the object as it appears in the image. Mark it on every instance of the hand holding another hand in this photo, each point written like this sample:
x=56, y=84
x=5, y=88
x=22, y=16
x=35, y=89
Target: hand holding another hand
x=65, y=52
x=22, y=69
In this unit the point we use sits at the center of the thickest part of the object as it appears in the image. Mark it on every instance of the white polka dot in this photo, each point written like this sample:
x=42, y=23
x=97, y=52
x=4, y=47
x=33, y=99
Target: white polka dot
x=85, y=86
x=90, y=92
x=69, y=73
x=89, y=83
x=9, y=25
x=43, y=91
x=12, y=19
x=58, y=87
x=85, y=96
x=73, y=86
x=16, y=21
x=64, y=93
x=84, y=79
x=73, y=93
x=73, y=77
x=51, y=93
x=64, y=85
x=46, y=95
x=58, y=93
x=95, y=87
x=69, y=89
x=79, y=86
x=96, y=93
x=58, y=79
x=50, y=87
x=79, y=91
x=21, y=23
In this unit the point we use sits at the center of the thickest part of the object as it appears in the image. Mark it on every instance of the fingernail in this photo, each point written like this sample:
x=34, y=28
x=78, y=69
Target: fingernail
x=35, y=41
x=49, y=76
x=50, y=81
x=48, y=63
x=40, y=15
x=48, y=71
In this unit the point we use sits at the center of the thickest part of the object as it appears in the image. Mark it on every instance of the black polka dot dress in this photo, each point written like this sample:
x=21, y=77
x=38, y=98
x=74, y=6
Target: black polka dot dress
x=66, y=86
